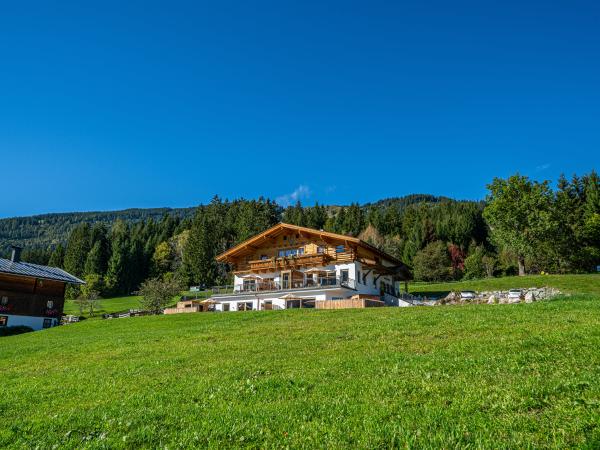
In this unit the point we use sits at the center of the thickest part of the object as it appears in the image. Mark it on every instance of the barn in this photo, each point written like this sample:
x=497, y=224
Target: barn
x=31, y=294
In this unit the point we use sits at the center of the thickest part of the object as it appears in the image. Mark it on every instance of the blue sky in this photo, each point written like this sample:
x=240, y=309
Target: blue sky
x=146, y=104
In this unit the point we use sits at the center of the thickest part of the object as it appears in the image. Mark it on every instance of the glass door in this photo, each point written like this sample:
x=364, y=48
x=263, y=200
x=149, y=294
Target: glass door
x=286, y=278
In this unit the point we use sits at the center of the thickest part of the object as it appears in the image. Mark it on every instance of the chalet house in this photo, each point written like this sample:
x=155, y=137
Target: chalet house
x=31, y=294
x=288, y=266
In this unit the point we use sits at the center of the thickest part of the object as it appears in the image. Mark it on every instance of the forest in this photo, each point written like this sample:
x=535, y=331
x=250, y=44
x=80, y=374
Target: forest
x=523, y=226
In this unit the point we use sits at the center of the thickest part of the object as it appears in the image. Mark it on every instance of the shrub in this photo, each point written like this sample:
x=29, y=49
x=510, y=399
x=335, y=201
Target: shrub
x=474, y=266
x=157, y=293
x=432, y=263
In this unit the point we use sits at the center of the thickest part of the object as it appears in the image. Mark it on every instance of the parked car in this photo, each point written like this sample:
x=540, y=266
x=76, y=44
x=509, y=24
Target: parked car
x=468, y=294
x=515, y=293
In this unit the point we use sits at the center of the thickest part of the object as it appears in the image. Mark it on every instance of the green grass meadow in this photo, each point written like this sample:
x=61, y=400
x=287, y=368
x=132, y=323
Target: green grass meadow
x=118, y=304
x=107, y=305
x=478, y=376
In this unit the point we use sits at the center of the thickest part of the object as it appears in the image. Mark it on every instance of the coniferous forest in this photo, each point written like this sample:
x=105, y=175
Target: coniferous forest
x=523, y=226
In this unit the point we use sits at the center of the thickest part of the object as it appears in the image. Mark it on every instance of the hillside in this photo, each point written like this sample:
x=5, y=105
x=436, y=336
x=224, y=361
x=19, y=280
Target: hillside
x=51, y=229
x=45, y=230
x=511, y=376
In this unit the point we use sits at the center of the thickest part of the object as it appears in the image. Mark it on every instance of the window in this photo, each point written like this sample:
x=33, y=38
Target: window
x=320, y=249
x=50, y=304
x=249, y=285
x=340, y=249
x=47, y=323
x=337, y=298
x=344, y=276
x=285, y=238
x=263, y=257
x=359, y=276
x=4, y=301
x=225, y=306
x=3, y=321
x=290, y=252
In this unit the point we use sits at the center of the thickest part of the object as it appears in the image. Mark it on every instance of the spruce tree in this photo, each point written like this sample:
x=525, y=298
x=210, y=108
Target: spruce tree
x=58, y=256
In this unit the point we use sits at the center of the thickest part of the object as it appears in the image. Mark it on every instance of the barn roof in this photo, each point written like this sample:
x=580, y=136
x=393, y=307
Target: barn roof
x=37, y=271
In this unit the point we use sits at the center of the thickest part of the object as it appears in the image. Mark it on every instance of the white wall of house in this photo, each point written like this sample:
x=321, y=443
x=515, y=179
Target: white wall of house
x=37, y=323
x=366, y=283
x=368, y=286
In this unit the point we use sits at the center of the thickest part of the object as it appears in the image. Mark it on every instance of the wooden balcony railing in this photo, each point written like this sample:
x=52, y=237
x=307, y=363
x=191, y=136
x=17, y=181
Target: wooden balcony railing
x=277, y=264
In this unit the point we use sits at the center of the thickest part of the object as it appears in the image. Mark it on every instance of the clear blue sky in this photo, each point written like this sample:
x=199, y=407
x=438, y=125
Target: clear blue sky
x=147, y=104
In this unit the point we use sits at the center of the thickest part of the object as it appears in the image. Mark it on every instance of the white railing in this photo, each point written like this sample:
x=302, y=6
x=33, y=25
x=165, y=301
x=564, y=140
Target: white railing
x=323, y=282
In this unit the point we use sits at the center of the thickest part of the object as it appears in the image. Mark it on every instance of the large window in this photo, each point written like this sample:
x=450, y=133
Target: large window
x=290, y=252
x=340, y=249
x=249, y=285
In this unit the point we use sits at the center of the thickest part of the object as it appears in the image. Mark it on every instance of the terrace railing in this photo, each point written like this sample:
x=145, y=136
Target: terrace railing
x=321, y=282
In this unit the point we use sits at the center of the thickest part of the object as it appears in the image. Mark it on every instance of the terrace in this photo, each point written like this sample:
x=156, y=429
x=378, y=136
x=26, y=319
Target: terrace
x=256, y=284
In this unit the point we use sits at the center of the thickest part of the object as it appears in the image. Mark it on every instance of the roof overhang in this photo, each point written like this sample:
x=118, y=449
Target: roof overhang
x=280, y=228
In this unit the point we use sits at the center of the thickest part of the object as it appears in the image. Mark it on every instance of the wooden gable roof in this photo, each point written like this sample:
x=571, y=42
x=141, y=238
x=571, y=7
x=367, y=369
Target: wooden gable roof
x=256, y=241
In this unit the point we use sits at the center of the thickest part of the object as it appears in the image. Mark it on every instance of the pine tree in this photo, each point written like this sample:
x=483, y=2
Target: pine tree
x=117, y=272
x=58, y=256
x=78, y=247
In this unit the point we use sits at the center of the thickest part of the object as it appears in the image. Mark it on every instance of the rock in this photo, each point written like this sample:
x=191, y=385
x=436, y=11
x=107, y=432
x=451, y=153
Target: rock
x=492, y=300
x=513, y=300
x=529, y=297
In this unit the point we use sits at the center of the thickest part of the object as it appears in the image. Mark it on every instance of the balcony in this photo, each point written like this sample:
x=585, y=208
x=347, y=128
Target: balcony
x=277, y=264
x=324, y=282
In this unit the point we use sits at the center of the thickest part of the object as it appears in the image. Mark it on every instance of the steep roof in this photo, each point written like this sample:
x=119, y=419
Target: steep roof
x=281, y=227
x=37, y=271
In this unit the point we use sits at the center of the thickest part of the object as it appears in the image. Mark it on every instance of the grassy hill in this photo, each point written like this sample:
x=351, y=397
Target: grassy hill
x=525, y=375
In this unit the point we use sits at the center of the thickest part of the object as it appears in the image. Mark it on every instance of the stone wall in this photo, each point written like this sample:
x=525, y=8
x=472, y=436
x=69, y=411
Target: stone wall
x=528, y=295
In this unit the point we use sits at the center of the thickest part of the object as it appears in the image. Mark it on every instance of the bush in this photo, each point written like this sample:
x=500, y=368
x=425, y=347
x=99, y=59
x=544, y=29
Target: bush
x=158, y=292
x=474, y=266
x=11, y=331
x=432, y=263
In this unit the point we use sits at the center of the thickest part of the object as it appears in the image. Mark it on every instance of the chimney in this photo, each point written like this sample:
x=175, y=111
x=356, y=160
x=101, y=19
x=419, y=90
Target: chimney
x=16, y=254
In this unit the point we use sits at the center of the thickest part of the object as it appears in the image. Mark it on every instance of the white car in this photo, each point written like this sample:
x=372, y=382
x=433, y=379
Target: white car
x=515, y=294
x=468, y=294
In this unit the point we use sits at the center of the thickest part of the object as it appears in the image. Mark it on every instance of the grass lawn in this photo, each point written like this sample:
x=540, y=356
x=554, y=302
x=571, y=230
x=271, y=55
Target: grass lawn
x=116, y=304
x=107, y=305
x=510, y=376
x=589, y=283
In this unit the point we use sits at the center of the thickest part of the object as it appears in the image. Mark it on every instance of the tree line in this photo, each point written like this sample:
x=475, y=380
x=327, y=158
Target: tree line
x=523, y=226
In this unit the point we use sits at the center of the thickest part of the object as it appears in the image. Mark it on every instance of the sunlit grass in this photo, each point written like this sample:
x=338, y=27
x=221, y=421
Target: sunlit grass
x=509, y=376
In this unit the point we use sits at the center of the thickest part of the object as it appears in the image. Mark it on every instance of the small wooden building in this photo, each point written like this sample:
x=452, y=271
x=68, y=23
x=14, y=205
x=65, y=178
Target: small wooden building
x=31, y=294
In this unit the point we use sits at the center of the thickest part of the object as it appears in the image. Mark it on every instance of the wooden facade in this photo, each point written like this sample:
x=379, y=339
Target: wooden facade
x=30, y=296
x=286, y=247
